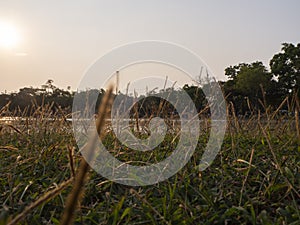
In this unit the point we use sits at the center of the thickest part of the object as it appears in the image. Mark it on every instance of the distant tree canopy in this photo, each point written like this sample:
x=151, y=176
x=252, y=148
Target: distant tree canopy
x=24, y=101
x=248, y=84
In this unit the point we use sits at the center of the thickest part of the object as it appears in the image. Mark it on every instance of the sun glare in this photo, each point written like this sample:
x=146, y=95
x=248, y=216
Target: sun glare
x=9, y=36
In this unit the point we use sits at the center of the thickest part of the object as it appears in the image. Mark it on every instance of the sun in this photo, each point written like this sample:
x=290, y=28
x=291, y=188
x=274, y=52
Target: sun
x=9, y=35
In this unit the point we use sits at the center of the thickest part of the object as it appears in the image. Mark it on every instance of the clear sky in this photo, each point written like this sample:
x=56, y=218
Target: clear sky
x=60, y=39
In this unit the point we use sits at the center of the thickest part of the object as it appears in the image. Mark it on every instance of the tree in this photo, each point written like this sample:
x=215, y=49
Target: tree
x=286, y=68
x=232, y=71
x=250, y=81
x=251, y=78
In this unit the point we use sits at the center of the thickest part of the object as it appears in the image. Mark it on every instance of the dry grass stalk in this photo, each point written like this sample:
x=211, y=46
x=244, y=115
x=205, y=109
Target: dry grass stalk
x=5, y=108
x=285, y=101
x=71, y=160
x=236, y=122
x=81, y=176
x=230, y=126
x=245, y=180
x=136, y=113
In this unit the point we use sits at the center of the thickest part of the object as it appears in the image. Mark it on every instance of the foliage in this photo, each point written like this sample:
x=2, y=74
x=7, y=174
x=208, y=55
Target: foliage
x=29, y=98
x=254, y=83
x=286, y=67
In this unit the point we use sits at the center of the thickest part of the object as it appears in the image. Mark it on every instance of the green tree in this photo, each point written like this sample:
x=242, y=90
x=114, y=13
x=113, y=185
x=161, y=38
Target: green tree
x=252, y=78
x=285, y=66
x=252, y=81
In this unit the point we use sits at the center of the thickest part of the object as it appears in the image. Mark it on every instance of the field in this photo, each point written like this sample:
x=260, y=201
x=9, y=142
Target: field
x=255, y=179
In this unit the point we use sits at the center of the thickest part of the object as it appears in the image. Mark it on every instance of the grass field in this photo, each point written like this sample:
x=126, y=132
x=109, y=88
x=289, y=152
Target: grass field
x=255, y=179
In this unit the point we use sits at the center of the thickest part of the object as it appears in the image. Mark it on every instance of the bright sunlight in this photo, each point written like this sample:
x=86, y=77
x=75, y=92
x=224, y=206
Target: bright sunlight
x=9, y=35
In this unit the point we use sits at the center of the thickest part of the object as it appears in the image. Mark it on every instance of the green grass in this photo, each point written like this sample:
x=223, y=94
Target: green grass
x=255, y=179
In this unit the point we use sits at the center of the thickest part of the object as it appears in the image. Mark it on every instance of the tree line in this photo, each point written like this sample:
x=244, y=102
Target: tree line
x=249, y=86
x=261, y=87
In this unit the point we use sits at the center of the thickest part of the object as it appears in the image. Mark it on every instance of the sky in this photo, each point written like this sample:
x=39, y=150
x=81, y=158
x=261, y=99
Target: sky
x=59, y=40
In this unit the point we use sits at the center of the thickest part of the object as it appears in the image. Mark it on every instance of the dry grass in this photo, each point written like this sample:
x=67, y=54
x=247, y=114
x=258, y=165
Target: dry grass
x=255, y=179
